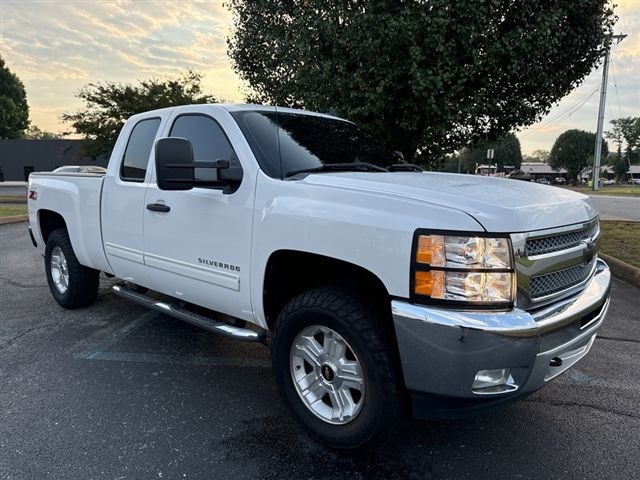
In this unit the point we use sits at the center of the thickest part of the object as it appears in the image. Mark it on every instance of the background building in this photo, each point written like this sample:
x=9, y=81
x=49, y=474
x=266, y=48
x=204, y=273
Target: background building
x=18, y=158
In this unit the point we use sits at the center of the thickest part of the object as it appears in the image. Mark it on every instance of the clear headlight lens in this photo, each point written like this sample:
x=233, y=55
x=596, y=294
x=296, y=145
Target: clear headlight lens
x=467, y=286
x=461, y=268
x=463, y=252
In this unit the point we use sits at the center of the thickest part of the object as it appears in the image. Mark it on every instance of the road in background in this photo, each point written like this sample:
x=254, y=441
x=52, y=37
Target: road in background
x=118, y=392
x=618, y=208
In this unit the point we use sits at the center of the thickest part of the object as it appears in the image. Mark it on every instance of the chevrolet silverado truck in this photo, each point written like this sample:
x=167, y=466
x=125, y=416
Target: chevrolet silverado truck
x=383, y=291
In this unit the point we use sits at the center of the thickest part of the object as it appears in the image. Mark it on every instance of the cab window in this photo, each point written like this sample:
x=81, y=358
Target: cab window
x=138, y=149
x=209, y=142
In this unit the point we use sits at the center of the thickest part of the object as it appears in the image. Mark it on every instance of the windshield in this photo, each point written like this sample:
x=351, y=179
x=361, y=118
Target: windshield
x=306, y=141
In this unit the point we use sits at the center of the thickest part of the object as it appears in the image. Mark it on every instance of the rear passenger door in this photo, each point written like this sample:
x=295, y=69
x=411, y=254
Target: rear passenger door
x=123, y=202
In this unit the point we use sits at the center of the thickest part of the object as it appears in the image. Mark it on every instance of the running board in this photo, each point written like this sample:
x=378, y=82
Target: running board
x=198, y=320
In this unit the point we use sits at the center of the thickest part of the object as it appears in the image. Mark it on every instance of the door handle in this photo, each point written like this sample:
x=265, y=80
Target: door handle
x=158, y=207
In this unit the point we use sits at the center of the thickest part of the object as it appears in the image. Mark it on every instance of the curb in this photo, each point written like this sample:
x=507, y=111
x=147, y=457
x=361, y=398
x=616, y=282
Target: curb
x=622, y=270
x=14, y=219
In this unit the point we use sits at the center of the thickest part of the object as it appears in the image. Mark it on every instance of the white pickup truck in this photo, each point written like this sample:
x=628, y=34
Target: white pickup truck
x=387, y=290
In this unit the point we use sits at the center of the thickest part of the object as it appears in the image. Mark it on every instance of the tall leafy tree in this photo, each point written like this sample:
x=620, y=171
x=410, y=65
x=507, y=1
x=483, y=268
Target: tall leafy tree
x=14, y=111
x=626, y=130
x=36, y=133
x=573, y=150
x=108, y=105
x=422, y=76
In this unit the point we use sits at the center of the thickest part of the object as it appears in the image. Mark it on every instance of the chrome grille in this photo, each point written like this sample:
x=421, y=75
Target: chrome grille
x=553, y=282
x=556, y=243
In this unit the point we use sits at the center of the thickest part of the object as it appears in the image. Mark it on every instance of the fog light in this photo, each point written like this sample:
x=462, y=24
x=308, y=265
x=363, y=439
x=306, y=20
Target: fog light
x=491, y=378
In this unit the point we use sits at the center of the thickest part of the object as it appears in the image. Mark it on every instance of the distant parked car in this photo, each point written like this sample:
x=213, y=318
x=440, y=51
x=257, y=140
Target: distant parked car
x=608, y=182
x=544, y=181
x=559, y=181
x=635, y=181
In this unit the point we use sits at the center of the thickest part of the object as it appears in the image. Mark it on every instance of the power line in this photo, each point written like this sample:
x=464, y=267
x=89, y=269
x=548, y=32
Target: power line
x=548, y=121
x=615, y=84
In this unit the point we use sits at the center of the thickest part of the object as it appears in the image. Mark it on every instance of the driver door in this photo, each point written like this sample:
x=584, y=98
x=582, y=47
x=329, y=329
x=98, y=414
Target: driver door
x=200, y=246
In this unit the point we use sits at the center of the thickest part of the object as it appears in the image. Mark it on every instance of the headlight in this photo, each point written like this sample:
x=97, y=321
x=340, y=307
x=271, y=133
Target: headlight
x=471, y=269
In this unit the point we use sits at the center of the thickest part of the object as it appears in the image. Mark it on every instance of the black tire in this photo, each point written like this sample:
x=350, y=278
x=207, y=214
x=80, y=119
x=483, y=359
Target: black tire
x=362, y=326
x=83, y=282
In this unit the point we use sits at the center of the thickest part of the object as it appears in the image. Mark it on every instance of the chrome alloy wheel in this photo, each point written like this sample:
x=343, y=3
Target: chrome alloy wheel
x=327, y=375
x=59, y=271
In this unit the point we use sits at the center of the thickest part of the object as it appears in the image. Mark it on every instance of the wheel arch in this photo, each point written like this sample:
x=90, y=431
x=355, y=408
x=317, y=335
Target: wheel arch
x=290, y=272
x=48, y=221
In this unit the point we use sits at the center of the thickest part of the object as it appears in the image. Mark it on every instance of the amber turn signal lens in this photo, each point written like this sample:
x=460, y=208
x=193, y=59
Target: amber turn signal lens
x=429, y=283
x=430, y=250
x=424, y=250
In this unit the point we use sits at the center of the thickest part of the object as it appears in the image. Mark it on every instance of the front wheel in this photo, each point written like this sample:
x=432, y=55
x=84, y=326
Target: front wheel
x=334, y=366
x=73, y=285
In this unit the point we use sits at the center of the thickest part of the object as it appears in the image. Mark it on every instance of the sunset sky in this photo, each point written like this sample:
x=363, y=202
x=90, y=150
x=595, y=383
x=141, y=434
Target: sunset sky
x=58, y=47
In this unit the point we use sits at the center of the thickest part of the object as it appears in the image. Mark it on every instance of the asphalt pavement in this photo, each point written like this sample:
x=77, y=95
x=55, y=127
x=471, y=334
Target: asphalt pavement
x=618, y=207
x=117, y=392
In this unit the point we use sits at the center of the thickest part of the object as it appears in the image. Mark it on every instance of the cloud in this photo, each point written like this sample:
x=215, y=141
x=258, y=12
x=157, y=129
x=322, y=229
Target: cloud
x=57, y=47
x=623, y=93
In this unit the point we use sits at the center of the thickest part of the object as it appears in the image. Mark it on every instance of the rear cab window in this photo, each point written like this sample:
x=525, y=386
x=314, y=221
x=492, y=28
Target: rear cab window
x=136, y=154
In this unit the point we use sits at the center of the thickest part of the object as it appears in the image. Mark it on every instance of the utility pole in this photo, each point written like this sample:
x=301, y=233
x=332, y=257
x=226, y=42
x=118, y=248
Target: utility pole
x=603, y=97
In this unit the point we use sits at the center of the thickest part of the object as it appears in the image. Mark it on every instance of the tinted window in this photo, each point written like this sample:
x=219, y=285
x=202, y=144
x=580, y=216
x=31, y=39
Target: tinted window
x=208, y=140
x=299, y=141
x=136, y=154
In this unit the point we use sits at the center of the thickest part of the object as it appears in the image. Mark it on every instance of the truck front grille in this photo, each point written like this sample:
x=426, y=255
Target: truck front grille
x=543, y=285
x=556, y=243
x=555, y=263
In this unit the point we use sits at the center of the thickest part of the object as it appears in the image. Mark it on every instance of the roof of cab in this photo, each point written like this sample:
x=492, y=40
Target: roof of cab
x=235, y=107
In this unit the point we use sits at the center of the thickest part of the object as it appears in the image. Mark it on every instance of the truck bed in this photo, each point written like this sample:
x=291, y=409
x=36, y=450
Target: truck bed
x=73, y=195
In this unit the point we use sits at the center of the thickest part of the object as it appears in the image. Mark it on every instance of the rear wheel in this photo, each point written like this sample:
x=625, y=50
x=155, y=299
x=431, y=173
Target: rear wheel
x=333, y=362
x=73, y=285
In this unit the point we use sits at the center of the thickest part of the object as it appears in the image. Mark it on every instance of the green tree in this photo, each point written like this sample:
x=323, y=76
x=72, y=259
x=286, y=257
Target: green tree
x=538, y=156
x=626, y=130
x=35, y=133
x=14, y=111
x=421, y=76
x=506, y=152
x=573, y=150
x=108, y=105
x=620, y=166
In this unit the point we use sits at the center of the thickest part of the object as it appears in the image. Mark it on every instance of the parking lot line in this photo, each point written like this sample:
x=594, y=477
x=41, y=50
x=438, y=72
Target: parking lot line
x=101, y=351
x=172, y=359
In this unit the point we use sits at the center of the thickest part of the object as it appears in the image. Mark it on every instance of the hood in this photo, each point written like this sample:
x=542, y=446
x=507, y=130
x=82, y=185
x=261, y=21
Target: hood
x=500, y=205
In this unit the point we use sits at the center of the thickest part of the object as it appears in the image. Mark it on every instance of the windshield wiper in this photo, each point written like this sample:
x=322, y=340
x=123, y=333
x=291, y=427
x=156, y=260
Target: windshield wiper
x=340, y=167
x=405, y=167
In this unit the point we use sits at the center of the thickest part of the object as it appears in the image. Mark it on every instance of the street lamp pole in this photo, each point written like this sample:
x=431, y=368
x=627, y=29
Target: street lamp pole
x=603, y=96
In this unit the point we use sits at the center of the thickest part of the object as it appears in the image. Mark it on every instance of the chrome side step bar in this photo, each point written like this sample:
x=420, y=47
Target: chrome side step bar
x=198, y=320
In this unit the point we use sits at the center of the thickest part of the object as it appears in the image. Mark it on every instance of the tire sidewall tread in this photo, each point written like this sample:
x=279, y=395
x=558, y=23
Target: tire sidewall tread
x=357, y=320
x=83, y=281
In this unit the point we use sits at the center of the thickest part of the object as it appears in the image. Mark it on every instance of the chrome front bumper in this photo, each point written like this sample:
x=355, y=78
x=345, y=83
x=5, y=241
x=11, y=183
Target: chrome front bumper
x=442, y=350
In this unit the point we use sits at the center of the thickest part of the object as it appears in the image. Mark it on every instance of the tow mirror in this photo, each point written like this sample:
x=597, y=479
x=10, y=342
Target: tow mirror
x=174, y=160
x=175, y=168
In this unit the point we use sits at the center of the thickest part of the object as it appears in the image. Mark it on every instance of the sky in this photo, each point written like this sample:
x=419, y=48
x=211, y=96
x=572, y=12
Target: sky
x=57, y=47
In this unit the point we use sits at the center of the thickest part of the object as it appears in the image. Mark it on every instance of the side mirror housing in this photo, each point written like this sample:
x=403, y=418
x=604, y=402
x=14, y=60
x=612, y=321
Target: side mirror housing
x=174, y=164
x=175, y=168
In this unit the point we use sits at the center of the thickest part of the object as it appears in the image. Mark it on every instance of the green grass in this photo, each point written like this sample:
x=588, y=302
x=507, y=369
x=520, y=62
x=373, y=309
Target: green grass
x=13, y=198
x=621, y=240
x=621, y=190
x=12, y=210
